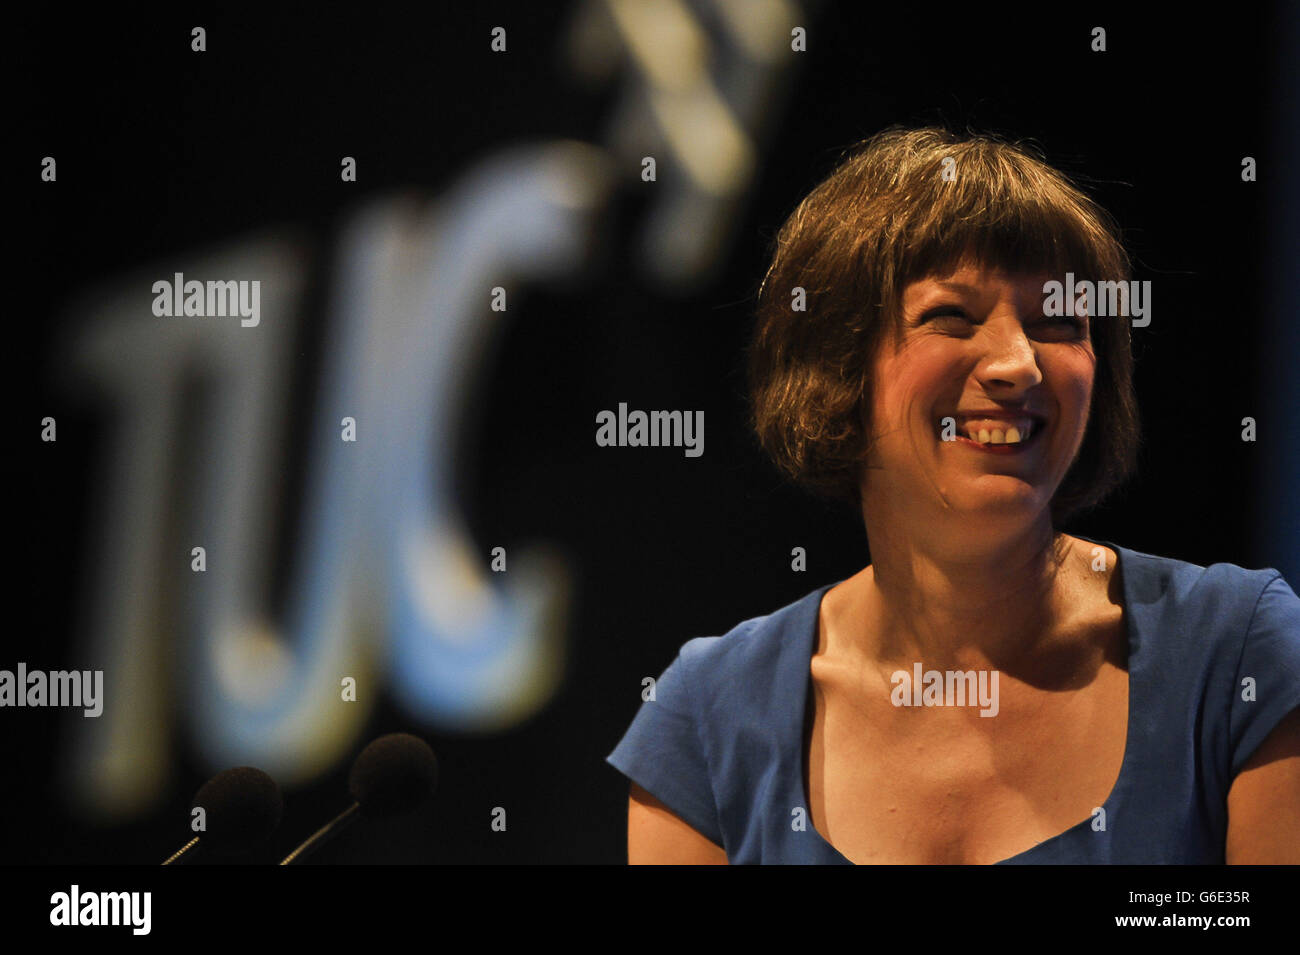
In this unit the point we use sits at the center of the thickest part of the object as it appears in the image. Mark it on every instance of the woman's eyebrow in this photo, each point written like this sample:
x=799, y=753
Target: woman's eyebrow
x=938, y=288
x=957, y=286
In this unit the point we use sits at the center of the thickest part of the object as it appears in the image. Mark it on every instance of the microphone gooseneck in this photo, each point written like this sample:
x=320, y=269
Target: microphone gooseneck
x=242, y=807
x=393, y=775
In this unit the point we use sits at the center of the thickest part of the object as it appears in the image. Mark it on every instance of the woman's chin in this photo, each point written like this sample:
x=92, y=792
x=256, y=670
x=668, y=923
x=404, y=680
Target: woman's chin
x=999, y=498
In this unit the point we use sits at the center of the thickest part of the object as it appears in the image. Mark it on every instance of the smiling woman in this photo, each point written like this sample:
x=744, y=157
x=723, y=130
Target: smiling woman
x=887, y=230
x=1142, y=702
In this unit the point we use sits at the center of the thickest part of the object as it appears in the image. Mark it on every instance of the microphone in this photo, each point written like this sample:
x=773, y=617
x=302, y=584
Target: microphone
x=241, y=806
x=392, y=776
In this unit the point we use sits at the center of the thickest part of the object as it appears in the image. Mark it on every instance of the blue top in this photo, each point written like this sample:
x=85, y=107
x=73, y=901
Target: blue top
x=722, y=742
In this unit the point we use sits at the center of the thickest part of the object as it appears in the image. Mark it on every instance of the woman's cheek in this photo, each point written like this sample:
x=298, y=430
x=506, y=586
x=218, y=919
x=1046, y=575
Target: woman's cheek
x=1085, y=372
x=1075, y=380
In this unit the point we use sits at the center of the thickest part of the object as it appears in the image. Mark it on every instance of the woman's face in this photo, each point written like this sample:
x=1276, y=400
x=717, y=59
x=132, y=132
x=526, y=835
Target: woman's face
x=976, y=348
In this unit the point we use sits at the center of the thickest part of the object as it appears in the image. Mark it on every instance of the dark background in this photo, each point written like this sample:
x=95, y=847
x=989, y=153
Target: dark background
x=162, y=151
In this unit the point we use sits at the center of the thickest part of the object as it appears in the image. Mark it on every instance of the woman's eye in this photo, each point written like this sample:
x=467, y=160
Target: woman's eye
x=956, y=318
x=945, y=312
x=1067, y=326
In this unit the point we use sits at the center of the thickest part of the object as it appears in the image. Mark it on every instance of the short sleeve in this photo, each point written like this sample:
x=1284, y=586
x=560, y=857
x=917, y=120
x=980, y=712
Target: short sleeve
x=1268, y=676
x=662, y=752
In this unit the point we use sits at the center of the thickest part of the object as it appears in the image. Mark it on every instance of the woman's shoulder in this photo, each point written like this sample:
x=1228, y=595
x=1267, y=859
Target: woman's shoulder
x=1225, y=642
x=1213, y=624
x=1177, y=585
x=757, y=646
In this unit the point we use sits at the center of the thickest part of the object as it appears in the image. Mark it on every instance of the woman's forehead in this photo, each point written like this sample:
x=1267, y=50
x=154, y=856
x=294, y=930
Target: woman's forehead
x=978, y=280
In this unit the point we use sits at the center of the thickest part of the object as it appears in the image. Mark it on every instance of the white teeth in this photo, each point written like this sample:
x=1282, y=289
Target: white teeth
x=1013, y=436
x=984, y=436
x=997, y=436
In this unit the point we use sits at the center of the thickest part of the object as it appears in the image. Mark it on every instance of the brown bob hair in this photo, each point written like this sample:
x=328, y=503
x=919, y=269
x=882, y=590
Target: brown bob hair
x=887, y=216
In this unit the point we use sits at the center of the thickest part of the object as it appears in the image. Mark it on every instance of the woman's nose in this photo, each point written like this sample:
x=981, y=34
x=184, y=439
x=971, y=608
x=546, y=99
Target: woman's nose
x=1009, y=360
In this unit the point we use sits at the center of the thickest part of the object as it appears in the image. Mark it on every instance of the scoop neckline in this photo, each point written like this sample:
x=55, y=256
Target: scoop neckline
x=1124, y=565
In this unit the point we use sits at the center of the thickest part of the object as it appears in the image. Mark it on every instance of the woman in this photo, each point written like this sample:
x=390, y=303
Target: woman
x=988, y=689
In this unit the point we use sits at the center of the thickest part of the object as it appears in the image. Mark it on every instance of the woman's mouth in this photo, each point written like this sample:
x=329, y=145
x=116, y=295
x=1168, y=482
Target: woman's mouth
x=996, y=435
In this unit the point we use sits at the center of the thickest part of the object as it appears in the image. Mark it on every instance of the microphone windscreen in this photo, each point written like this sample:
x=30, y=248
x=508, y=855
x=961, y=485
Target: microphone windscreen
x=242, y=807
x=393, y=775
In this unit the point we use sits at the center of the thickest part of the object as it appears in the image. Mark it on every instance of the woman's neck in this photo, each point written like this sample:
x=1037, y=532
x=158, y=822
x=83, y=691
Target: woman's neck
x=964, y=599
